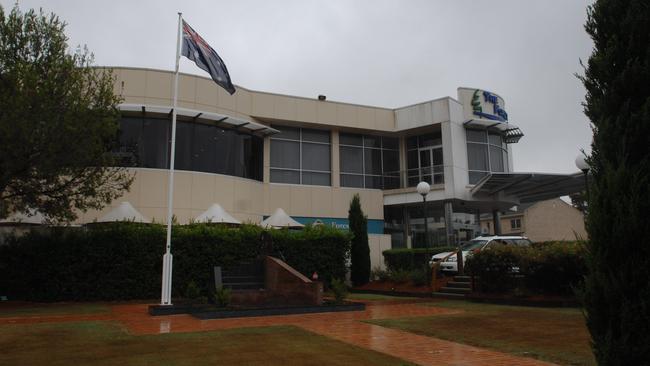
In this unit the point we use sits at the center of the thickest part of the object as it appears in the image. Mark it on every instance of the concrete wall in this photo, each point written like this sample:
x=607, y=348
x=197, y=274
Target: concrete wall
x=544, y=221
x=377, y=244
x=245, y=199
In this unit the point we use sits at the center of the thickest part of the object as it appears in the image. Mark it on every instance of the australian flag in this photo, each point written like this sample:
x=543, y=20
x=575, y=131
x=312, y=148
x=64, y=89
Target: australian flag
x=198, y=50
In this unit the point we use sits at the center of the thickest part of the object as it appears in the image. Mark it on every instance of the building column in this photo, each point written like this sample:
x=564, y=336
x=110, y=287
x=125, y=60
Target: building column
x=266, y=160
x=403, y=167
x=449, y=225
x=335, y=162
x=496, y=217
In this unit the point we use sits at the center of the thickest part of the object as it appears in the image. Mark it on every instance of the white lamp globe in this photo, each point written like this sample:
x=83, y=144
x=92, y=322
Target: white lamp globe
x=423, y=188
x=581, y=162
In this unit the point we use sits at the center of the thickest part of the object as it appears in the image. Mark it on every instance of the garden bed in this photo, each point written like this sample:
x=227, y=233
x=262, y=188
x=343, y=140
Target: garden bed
x=394, y=289
x=212, y=312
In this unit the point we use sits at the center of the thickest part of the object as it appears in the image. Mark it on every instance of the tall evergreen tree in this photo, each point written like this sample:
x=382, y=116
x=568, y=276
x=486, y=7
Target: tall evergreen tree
x=617, y=79
x=360, y=251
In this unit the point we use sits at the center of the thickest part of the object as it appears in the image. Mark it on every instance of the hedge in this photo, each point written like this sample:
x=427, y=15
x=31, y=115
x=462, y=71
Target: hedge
x=555, y=268
x=407, y=259
x=122, y=261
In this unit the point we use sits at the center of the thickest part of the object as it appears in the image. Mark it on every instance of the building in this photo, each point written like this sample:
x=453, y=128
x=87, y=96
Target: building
x=540, y=221
x=253, y=152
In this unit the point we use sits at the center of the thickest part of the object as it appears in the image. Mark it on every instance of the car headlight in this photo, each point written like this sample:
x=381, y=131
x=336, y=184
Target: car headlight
x=451, y=258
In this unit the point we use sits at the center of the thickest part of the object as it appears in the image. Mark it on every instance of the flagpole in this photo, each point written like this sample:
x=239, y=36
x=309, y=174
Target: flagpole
x=166, y=291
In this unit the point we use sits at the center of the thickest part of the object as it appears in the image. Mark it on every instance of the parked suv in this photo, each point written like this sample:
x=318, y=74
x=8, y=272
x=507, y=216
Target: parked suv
x=448, y=259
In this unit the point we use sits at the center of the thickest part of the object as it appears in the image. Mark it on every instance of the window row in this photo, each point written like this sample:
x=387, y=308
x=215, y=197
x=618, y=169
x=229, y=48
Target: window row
x=145, y=142
x=301, y=156
x=369, y=161
x=486, y=152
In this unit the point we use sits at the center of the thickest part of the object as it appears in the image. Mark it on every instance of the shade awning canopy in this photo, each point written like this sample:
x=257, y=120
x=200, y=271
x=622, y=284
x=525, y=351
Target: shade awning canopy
x=530, y=187
x=511, y=133
x=280, y=219
x=124, y=212
x=217, y=215
x=218, y=119
x=32, y=217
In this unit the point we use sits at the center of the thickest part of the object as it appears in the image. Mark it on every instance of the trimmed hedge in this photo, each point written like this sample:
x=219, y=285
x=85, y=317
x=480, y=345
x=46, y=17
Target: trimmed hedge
x=407, y=259
x=122, y=261
x=554, y=268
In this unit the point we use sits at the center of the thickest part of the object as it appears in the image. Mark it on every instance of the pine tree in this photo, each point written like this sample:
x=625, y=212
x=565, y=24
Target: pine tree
x=617, y=79
x=360, y=251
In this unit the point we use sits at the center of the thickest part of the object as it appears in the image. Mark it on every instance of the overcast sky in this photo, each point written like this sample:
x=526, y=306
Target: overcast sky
x=381, y=53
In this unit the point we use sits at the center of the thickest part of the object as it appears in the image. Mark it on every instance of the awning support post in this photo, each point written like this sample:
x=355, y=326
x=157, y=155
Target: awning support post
x=496, y=217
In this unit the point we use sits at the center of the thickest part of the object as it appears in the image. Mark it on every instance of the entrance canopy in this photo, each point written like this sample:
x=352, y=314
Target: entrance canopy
x=529, y=187
x=280, y=219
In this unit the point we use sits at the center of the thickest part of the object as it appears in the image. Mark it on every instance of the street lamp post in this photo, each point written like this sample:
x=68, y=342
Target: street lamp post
x=423, y=189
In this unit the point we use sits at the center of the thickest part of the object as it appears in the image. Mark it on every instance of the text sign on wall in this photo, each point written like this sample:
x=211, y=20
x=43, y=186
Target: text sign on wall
x=497, y=112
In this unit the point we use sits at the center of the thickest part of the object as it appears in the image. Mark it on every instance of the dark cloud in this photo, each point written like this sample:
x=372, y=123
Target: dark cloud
x=385, y=53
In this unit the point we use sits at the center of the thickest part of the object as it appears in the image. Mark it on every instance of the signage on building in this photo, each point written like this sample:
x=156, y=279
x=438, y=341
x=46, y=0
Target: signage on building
x=374, y=226
x=496, y=113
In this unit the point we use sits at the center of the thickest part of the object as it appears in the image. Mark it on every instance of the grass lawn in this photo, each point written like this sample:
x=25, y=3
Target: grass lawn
x=105, y=343
x=555, y=335
x=35, y=309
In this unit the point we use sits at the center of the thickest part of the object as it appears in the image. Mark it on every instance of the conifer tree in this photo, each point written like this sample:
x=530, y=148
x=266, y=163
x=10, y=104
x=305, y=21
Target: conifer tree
x=617, y=79
x=360, y=251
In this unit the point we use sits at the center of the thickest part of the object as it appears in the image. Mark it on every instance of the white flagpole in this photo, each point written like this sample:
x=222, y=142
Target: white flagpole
x=166, y=291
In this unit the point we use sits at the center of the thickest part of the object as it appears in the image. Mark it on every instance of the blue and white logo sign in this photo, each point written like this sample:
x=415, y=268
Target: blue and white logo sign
x=497, y=112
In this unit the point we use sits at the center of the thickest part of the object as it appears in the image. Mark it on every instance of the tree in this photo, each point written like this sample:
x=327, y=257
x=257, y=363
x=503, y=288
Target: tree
x=58, y=122
x=360, y=251
x=617, y=80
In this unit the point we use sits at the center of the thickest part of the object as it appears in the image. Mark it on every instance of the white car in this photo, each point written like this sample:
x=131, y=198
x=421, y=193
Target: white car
x=448, y=259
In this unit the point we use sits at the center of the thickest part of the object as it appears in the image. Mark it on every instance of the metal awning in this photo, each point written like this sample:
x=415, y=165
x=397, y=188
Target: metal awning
x=530, y=187
x=511, y=133
x=216, y=118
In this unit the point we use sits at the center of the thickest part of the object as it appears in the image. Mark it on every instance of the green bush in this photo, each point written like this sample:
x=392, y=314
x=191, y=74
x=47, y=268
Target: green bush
x=551, y=268
x=399, y=276
x=494, y=267
x=409, y=259
x=555, y=268
x=421, y=276
x=379, y=274
x=122, y=261
x=340, y=290
x=222, y=297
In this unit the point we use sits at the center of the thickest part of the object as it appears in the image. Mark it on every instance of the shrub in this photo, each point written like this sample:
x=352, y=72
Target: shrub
x=192, y=292
x=551, y=268
x=378, y=274
x=400, y=276
x=494, y=267
x=122, y=261
x=222, y=297
x=340, y=290
x=408, y=259
x=555, y=268
x=421, y=276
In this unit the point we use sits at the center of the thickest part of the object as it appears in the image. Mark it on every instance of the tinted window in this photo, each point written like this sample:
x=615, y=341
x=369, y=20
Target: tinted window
x=285, y=154
x=199, y=147
x=315, y=157
x=351, y=160
x=350, y=139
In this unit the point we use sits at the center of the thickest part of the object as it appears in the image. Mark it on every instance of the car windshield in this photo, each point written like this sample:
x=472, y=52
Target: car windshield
x=473, y=244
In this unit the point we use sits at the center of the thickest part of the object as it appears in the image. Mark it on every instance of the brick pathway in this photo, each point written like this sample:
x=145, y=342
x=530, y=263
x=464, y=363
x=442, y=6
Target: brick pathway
x=344, y=326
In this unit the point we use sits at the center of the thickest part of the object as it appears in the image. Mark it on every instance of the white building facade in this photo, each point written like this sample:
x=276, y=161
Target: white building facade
x=253, y=152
